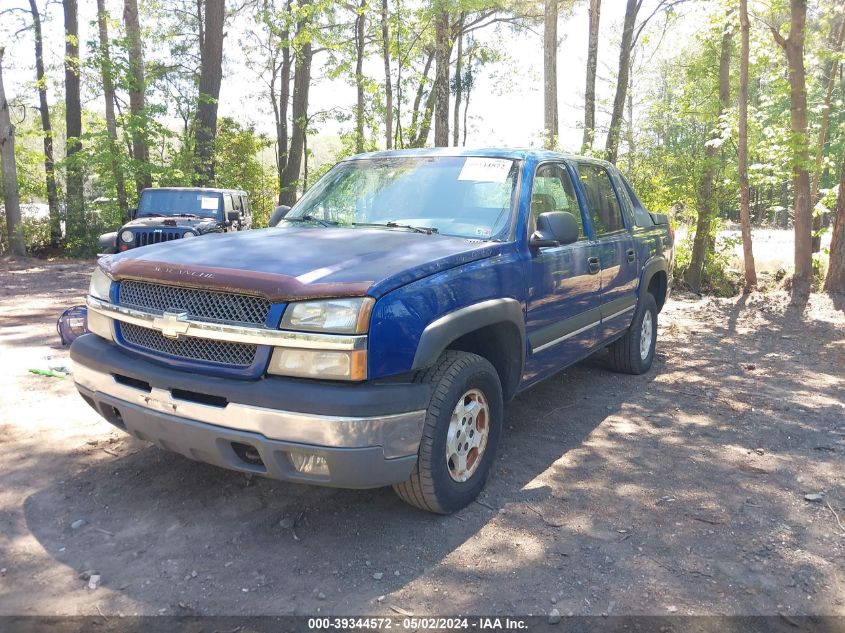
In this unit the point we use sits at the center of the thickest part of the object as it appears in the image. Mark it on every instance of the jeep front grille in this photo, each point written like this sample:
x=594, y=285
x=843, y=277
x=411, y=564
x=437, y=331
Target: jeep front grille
x=204, y=305
x=143, y=238
x=239, y=354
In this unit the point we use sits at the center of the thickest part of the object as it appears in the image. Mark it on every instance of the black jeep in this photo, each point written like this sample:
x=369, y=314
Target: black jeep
x=173, y=213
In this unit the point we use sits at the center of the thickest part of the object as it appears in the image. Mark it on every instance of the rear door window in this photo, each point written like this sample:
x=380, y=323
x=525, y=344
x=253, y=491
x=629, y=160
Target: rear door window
x=641, y=215
x=605, y=210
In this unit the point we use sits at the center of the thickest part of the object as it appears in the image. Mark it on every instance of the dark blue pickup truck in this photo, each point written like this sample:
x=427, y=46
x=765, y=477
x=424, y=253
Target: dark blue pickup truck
x=373, y=337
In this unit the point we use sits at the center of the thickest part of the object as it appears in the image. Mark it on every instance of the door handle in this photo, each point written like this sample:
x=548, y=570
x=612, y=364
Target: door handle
x=593, y=262
x=632, y=256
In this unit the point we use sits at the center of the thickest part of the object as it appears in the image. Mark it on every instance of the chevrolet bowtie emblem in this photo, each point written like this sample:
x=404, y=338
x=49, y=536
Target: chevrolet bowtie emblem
x=172, y=324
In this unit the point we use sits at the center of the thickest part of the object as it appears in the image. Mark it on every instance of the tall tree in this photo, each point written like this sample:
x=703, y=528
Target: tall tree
x=299, y=109
x=360, y=53
x=108, y=93
x=793, y=46
x=11, y=197
x=75, y=213
x=211, y=75
x=708, y=204
x=442, y=53
x=550, y=110
x=612, y=146
x=46, y=128
x=137, y=95
x=459, y=60
x=388, y=82
x=835, y=281
x=831, y=75
x=742, y=149
x=592, y=66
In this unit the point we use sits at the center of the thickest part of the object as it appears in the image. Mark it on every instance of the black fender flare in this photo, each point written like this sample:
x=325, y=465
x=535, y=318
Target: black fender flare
x=654, y=265
x=441, y=332
x=107, y=243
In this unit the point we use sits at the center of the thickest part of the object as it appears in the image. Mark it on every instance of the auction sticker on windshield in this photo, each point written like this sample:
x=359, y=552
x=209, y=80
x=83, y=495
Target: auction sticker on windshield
x=485, y=169
x=209, y=203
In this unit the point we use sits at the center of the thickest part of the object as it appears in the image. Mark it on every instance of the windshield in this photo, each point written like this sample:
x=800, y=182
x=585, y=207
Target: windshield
x=463, y=196
x=169, y=202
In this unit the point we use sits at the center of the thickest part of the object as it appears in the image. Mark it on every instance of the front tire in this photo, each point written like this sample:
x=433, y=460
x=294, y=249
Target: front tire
x=460, y=435
x=634, y=352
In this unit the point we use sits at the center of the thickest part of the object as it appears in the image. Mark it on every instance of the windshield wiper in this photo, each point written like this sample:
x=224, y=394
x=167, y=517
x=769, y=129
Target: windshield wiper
x=311, y=218
x=186, y=215
x=151, y=215
x=427, y=230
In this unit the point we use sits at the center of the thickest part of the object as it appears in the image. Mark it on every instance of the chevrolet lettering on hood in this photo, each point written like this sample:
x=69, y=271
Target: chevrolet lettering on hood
x=184, y=272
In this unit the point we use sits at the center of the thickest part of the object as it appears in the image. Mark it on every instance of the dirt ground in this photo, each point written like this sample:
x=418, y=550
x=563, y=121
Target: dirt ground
x=680, y=491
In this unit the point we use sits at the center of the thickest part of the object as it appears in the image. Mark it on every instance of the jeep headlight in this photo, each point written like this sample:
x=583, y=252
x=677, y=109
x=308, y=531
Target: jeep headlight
x=188, y=234
x=100, y=284
x=127, y=236
x=333, y=316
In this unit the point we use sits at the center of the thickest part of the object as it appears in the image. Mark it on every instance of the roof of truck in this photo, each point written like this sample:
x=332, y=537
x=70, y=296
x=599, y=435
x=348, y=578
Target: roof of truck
x=206, y=189
x=490, y=152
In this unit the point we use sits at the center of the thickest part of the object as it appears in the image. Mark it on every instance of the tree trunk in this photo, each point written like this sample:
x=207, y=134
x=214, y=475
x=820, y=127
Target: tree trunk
x=742, y=150
x=456, y=115
x=629, y=122
x=613, y=132
x=211, y=74
x=11, y=197
x=793, y=46
x=833, y=69
x=592, y=66
x=550, y=113
x=388, y=84
x=360, y=32
x=708, y=204
x=468, y=93
x=46, y=128
x=415, y=112
x=835, y=282
x=441, y=78
x=280, y=101
x=111, y=123
x=137, y=90
x=75, y=210
x=301, y=86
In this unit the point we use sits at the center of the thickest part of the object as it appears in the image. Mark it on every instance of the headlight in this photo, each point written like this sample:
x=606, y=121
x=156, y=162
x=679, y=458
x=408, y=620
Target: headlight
x=100, y=285
x=127, y=236
x=315, y=363
x=338, y=316
x=188, y=234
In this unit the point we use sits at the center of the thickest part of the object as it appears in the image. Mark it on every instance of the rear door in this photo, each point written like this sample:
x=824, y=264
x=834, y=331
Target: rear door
x=614, y=241
x=563, y=311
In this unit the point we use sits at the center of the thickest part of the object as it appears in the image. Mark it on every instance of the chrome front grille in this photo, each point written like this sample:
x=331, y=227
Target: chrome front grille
x=203, y=305
x=239, y=354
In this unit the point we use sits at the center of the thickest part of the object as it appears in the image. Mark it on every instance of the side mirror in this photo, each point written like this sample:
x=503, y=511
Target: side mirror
x=278, y=214
x=133, y=213
x=555, y=228
x=233, y=216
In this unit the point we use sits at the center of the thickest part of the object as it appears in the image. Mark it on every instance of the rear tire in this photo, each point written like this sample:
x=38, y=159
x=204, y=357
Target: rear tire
x=460, y=435
x=634, y=352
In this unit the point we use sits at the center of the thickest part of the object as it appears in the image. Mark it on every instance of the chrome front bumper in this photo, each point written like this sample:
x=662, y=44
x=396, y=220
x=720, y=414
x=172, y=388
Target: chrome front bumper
x=359, y=451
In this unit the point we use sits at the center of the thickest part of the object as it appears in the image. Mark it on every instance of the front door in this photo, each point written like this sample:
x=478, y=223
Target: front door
x=563, y=311
x=618, y=258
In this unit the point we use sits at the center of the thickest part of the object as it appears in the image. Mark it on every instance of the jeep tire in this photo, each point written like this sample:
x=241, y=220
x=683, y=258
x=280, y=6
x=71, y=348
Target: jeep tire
x=461, y=431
